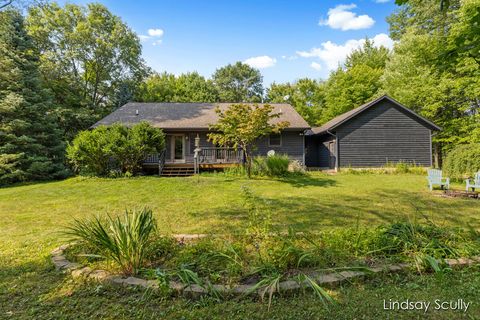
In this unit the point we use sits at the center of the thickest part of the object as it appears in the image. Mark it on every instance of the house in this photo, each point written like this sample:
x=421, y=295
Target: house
x=372, y=135
x=379, y=132
x=186, y=126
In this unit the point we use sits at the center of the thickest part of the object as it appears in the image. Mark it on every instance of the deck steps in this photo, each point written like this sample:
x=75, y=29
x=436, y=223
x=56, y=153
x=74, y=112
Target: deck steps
x=177, y=170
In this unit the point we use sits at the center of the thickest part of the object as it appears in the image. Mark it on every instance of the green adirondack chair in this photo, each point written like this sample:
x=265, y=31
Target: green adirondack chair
x=435, y=178
x=475, y=183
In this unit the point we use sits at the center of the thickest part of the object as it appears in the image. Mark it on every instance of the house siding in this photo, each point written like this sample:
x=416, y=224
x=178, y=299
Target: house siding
x=317, y=153
x=292, y=145
x=383, y=133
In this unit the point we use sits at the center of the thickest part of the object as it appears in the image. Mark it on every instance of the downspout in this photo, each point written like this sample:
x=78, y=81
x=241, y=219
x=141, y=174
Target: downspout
x=336, y=149
x=303, y=156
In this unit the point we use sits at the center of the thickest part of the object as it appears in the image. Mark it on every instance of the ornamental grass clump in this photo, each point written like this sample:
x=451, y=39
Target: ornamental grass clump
x=124, y=240
x=272, y=166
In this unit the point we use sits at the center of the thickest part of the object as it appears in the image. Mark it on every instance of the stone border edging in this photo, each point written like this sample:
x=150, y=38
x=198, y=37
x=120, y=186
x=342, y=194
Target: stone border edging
x=328, y=280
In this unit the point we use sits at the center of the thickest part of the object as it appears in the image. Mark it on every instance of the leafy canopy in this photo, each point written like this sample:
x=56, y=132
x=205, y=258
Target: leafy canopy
x=238, y=83
x=165, y=87
x=241, y=125
x=90, y=60
x=30, y=140
x=114, y=150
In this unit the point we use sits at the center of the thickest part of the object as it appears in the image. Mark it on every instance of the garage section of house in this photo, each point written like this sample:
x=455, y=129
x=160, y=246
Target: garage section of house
x=372, y=135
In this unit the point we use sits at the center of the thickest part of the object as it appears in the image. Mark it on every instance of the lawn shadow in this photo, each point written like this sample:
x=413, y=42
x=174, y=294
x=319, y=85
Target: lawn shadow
x=369, y=209
x=305, y=180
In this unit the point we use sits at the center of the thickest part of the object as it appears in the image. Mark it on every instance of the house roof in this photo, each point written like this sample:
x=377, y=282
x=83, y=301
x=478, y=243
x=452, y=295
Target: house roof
x=337, y=121
x=190, y=116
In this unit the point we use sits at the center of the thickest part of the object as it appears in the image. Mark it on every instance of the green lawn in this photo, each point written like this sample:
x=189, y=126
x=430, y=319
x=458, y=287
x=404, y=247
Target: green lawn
x=32, y=215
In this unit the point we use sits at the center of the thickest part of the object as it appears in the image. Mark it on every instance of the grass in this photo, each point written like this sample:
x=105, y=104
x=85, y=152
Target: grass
x=31, y=217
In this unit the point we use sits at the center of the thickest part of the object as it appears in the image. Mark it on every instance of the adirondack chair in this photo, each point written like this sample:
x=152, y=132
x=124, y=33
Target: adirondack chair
x=435, y=178
x=475, y=183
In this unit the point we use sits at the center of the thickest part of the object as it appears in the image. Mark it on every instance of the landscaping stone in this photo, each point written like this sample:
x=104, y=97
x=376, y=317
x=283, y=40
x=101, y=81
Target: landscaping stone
x=98, y=275
x=195, y=291
x=71, y=266
x=82, y=272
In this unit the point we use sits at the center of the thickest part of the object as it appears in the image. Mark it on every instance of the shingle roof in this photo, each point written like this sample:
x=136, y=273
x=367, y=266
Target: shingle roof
x=344, y=117
x=188, y=115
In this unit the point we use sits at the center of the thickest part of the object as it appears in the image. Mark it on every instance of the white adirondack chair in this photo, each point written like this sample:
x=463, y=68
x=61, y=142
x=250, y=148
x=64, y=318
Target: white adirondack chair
x=435, y=178
x=475, y=183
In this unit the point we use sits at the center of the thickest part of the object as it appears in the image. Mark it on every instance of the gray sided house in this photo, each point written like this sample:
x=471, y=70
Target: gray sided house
x=372, y=135
x=379, y=132
x=186, y=126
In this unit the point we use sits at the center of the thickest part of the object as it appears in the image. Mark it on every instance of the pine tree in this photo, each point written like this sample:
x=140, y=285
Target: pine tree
x=30, y=142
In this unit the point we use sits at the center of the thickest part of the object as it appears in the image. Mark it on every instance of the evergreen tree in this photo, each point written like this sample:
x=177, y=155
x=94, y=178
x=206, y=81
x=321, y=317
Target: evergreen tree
x=30, y=142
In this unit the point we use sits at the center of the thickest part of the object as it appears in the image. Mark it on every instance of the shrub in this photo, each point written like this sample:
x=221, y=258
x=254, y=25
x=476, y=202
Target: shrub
x=115, y=150
x=273, y=166
x=463, y=161
x=125, y=241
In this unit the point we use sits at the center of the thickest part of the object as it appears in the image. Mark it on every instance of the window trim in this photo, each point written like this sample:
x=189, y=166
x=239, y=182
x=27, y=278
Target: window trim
x=274, y=145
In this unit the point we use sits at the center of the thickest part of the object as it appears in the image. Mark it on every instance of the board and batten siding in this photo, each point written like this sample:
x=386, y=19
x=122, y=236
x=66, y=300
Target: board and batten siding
x=317, y=153
x=292, y=145
x=383, y=133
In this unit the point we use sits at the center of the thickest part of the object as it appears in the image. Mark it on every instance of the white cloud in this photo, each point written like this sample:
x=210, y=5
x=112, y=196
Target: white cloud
x=317, y=66
x=332, y=54
x=155, y=32
x=341, y=17
x=261, y=62
x=154, y=35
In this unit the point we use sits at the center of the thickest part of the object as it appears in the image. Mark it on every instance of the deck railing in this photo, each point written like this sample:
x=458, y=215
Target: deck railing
x=151, y=158
x=219, y=155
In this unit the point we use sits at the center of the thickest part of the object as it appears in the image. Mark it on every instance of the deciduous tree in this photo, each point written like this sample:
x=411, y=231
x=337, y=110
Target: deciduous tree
x=87, y=56
x=238, y=83
x=241, y=125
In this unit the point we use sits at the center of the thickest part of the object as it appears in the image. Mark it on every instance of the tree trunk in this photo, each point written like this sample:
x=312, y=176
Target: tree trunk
x=437, y=155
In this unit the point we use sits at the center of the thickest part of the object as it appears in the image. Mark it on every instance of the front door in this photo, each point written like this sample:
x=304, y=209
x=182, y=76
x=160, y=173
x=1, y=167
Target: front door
x=177, y=148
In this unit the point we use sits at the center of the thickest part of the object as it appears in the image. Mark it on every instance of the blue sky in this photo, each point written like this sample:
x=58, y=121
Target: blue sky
x=287, y=40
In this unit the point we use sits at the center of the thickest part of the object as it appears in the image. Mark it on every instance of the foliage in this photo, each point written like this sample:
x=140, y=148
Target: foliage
x=259, y=215
x=357, y=82
x=89, y=58
x=124, y=241
x=30, y=140
x=241, y=125
x=305, y=95
x=165, y=87
x=106, y=150
x=238, y=83
x=463, y=161
x=424, y=244
x=273, y=166
x=434, y=70
x=390, y=168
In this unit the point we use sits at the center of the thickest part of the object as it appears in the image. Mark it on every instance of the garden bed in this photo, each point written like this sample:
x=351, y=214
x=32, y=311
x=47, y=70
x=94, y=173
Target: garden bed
x=264, y=263
x=194, y=290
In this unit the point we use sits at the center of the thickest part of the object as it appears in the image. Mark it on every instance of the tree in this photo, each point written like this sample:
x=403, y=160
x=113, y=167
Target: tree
x=30, y=141
x=238, y=83
x=241, y=125
x=115, y=149
x=88, y=56
x=305, y=95
x=435, y=70
x=165, y=87
x=358, y=81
